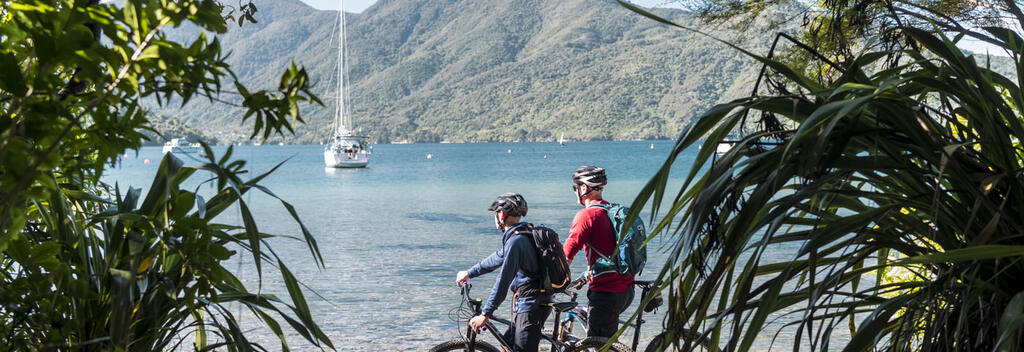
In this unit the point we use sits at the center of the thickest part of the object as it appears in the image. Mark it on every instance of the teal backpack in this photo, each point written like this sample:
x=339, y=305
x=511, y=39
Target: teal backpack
x=631, y=254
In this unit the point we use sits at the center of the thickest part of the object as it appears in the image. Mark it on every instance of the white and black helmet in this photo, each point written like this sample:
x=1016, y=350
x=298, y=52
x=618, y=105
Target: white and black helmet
x=592, y=176
x=512, y=204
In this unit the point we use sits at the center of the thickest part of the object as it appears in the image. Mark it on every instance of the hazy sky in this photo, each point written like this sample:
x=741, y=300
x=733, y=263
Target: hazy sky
x=350, y=5
x=360, y=5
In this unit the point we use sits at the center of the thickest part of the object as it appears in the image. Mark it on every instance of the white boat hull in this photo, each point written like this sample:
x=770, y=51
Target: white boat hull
x=723, y=148
x=346, y=160
x=180, y=150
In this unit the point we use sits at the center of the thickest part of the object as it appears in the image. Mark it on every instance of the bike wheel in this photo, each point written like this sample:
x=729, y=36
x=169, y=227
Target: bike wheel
x=595, y=344
x=656, y=344
x=461, y=344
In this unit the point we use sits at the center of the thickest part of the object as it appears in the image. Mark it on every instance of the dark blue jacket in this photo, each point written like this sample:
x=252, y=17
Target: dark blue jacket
x=516, y=256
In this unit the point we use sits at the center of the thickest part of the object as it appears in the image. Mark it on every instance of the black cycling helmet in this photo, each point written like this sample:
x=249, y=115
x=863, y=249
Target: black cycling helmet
x=592, y=176
x=512, y=204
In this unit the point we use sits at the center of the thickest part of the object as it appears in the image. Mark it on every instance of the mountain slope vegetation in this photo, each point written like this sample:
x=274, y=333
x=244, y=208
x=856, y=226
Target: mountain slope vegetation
x=489, y=70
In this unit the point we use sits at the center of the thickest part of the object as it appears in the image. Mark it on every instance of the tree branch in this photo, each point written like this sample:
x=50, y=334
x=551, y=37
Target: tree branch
x=1015, y=10
x=33, y=169
x=947, y=24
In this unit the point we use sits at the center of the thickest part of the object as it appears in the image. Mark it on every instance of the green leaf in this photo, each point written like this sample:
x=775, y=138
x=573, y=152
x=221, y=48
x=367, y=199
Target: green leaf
x=200, y=206
x=300, y=308
x=253, y=235
x=1010, y=324
x=151, y=52
x=45, y=256
x=11, y=79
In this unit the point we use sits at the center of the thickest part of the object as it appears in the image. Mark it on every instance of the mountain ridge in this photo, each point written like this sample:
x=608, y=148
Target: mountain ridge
x=466, y=71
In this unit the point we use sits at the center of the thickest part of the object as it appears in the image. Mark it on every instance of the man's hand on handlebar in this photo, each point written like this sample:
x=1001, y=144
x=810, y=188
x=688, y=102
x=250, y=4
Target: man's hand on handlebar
x=478, y=322
x=461, y=278
x=578, y=283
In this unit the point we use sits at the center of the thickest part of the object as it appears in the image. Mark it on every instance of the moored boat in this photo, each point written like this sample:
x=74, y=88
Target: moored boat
x=346, y=149
x=181, y=145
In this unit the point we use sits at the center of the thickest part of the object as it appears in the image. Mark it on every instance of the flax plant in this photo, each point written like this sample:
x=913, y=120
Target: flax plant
x=889, y=217
x=86, y=266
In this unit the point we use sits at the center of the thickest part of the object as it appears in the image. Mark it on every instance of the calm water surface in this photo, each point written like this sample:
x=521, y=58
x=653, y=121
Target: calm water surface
x=394, y=234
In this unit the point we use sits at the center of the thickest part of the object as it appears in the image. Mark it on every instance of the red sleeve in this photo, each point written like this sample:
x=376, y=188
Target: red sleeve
x=578, y=235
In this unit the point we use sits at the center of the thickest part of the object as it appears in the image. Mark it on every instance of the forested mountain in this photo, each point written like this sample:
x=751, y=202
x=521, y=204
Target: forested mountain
x=168, y=128
x=485, y=70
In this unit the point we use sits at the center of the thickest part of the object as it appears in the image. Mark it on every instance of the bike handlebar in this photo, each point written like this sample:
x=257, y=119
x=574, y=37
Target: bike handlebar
x=464, y=290
x=582, y=279
x=578, y=283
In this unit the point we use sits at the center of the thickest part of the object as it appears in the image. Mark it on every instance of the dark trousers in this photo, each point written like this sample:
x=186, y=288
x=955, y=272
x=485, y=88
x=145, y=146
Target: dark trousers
x=524, y=334
x=605, y=308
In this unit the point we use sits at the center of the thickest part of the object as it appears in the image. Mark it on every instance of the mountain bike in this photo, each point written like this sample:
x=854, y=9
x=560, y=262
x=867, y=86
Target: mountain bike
x=560, y=340
x=688, y=338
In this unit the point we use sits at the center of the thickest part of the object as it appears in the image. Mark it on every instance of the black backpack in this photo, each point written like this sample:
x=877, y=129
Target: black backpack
x=555, y=275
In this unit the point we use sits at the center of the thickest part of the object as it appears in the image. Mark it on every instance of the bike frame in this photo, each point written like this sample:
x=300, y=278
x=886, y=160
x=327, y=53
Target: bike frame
x=645, y=287
x=556, y=344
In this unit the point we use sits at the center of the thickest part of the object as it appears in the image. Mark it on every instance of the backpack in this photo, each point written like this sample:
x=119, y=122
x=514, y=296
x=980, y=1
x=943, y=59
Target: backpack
x=555, y=275
x=631, y=253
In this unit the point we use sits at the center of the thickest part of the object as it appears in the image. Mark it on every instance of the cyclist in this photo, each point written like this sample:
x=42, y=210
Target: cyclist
x=608, y=293
x=519, y=265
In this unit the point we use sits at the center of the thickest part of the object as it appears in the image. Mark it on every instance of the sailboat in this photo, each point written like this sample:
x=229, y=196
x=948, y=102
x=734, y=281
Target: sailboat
x=346, y=148
x=561, y=139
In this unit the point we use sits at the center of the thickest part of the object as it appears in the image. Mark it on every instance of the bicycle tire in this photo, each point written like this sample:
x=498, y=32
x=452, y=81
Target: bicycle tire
x=595, y=344
x=460, y=345
x=656, y=342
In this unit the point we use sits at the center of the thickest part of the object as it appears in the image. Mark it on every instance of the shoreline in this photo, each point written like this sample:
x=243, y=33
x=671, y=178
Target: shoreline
x=275, y=144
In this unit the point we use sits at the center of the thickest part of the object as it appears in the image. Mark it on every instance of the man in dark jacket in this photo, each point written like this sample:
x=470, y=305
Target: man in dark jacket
x=519, y=265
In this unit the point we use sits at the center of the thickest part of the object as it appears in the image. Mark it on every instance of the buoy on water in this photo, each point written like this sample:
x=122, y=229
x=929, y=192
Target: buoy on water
x=146, y=161
x=430, y=156
x=510, y=151
x=545, y=156
x=652, y=145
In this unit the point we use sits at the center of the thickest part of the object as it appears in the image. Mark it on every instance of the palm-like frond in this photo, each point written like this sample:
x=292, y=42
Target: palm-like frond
x=891, y=211
x=148, y=273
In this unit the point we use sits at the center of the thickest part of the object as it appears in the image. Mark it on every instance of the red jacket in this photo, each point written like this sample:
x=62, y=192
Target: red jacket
x=592, y=225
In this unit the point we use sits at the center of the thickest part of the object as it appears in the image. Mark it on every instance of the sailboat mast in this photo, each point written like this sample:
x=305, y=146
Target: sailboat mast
x=340, y=117
x=347, y=112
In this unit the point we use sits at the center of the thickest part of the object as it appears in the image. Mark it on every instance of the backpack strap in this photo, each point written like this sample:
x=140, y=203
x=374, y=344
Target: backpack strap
x=607, y=213
x=615, y=251
x=527, y=228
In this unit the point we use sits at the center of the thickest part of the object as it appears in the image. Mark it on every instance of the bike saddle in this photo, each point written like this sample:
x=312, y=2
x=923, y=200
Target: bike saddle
x=644, y=283
x=654, y=303
x=564, y=306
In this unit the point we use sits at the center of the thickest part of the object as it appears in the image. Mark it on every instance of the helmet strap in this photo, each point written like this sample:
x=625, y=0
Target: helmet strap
x=579, y=196
x=499, y=220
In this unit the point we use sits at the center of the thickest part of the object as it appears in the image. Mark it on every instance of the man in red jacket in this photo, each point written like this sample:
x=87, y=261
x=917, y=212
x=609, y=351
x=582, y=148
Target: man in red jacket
x=609, y=294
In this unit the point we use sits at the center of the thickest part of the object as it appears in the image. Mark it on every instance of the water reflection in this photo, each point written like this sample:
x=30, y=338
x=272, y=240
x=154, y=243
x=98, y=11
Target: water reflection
x=394, y=234
x=444, y=217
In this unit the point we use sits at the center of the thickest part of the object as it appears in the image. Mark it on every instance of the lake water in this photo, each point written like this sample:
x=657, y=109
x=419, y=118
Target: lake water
x=394, y=234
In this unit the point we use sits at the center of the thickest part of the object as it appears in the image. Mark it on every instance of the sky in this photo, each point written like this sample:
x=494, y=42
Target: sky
x=350, y=5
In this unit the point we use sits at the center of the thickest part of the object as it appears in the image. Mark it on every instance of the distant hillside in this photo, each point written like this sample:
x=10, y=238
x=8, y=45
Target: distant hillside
x=170, y=128
x=486, y=70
